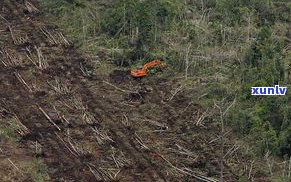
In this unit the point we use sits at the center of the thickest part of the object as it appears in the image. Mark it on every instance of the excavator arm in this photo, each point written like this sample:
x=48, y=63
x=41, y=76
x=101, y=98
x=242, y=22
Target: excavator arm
x=143, y=71
x=151, y=64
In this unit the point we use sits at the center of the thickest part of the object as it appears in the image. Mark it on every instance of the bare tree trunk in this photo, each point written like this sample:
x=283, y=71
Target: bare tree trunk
x=289, y=168
x=222, y=145
x=249, y=26
x=156, y=29
x=222, y=141
x=287, y=70
x=223, y=135
x=83, y=27
x=187, y=60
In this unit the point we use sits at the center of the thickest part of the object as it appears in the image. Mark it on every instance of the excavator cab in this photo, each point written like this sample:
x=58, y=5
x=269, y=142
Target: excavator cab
x=152, y=70
x=150, y=67
x=138, y=67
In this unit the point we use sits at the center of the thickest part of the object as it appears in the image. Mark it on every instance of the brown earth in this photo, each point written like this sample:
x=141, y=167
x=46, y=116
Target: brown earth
x=93, y=127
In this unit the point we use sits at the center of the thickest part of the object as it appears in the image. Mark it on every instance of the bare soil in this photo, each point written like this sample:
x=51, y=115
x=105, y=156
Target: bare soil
x=93, y=127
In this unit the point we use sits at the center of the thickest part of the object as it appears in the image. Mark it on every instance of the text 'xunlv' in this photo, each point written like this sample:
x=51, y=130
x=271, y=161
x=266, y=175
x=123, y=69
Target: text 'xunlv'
x=277, y=90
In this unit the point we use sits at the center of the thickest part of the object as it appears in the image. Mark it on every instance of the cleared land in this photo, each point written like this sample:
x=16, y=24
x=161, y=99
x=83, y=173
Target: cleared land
x=90, y=127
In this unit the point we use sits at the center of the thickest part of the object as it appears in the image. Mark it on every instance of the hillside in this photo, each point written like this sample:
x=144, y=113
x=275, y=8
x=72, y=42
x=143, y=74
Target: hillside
x=66, y=117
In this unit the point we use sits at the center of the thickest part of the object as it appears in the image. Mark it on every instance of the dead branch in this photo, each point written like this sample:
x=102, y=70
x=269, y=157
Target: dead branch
x=175, y=92
x=219, y=137
x=22, y=129
x=74, y=103
x=103, y=174
x=200, y=120
x=48, y=118
x=62, y=117
x=49, y=36
x=29, y=56
x=185, y=109
x=270, y=162
x=15, y=166
x=153, y=131
x=250, y=171
x=88, y=117
x=35, y=86
x=4, y=110
x=185, y=151
x=140, y=141
x=74, y=145
x=23, y=82
x=189, y=172
x=18, y=40
x=60, y=87
x=5, y=20
x=233, y=102
x=30, y=7
x=38, y=147
x=84, y=70
x=64, y=40
x=98, y=176
x=54, y=37
x=101, y=136
x=174, y=173
x=66, y=104
x=158, y=124
x=8, y=60
x=125, y=121
x=130, y=105
x=42, y=61
x=231, y=150
x=78, y=103
x=119, y=159
x=72, y=152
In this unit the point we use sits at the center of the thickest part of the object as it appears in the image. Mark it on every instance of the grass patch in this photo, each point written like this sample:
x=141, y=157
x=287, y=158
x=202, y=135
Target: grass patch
x=146, y=109
x=37, y=171
x=8, y=131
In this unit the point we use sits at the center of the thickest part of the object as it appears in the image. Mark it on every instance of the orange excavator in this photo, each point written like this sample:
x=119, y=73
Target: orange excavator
x=145, y=69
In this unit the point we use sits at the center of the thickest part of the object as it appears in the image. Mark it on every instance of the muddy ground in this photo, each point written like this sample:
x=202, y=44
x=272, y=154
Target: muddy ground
x=92, y=127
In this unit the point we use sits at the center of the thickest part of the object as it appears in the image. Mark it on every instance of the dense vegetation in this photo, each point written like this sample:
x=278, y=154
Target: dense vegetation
x=225, y=47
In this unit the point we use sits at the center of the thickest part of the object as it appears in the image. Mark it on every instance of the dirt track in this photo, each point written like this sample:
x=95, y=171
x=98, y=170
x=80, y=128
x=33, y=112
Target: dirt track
x=97, y=128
